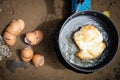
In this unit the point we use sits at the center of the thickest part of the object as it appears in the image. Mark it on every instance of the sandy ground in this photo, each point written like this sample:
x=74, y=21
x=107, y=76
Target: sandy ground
x=47, y=15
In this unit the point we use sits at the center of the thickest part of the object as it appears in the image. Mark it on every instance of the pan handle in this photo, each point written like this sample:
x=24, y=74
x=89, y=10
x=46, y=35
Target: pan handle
x=80, y=5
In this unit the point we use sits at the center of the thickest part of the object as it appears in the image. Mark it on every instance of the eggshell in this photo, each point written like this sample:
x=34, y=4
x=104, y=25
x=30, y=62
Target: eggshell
x=30, y=38
x=25, y=59
x=15, y=27
x=9, y=38
x=38, y=60
x=34, y=38
x=26, y=53
x=22, y=24
x=39, y=36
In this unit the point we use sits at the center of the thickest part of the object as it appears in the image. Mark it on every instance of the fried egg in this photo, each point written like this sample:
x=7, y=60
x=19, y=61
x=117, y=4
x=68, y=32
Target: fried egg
x=90, y=42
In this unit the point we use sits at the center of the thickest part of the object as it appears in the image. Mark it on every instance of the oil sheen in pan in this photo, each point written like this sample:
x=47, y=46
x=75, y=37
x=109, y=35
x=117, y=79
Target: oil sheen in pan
x=67, y=46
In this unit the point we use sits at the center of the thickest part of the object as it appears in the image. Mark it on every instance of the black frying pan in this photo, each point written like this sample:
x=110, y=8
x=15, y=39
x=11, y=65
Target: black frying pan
x=66, y=48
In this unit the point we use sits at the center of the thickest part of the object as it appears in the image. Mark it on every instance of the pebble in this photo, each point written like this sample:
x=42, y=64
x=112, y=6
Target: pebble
x=4, y=49
x=12, y=12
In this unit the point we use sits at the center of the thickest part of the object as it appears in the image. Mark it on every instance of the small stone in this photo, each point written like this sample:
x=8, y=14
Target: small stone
x=12, y=12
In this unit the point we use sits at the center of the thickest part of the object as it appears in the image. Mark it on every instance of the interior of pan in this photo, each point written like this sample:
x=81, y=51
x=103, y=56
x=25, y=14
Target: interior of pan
x=68, y=48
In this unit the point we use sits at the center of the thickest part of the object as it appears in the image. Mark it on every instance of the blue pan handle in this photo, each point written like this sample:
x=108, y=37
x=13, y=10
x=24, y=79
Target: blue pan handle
x=86, y=5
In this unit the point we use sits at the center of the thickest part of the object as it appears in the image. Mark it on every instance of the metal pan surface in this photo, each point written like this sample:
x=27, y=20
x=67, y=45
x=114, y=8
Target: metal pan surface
x=67, y=48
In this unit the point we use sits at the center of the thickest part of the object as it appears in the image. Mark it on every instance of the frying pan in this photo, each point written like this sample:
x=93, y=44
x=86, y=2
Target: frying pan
x=66, y=48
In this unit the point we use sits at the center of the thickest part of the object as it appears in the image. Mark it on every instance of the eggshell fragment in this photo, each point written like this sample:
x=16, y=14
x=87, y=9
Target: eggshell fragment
x=30, y=38
x=38, y=60
x=14, y=30
x=39, y=36
x=9, y=38
x=15, y=27
x=34, y=38
x=22, y=24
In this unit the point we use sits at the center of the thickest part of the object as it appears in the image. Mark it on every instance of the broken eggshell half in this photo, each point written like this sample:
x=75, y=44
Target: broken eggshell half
x=38, y=60
x=26, y=54
x=34, y=38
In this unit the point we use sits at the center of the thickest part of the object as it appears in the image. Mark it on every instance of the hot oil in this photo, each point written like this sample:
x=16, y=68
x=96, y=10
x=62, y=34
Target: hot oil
x=69, y=49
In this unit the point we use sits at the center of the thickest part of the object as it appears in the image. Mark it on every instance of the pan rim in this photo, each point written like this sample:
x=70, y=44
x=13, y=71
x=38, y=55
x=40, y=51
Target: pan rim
x=71, y=17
